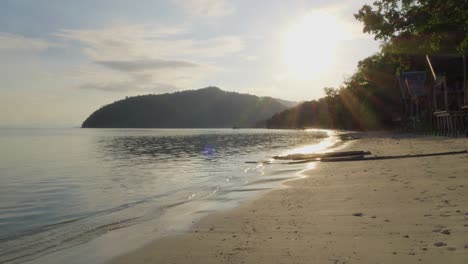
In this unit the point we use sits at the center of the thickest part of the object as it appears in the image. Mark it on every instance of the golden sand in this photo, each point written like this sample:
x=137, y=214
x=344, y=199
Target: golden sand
x=411, y=210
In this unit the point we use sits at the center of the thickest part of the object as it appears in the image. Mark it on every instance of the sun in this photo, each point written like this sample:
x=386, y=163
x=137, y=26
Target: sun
x=311, y=44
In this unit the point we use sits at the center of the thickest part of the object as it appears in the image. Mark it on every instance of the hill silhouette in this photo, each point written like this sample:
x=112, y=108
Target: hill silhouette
x=209, y=107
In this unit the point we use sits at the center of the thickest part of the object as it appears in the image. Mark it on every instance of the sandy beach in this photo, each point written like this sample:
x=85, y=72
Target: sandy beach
x=381, y=211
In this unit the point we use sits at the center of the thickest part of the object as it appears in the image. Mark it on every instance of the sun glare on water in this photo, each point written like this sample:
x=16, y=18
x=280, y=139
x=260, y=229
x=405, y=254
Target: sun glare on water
x=311, y=44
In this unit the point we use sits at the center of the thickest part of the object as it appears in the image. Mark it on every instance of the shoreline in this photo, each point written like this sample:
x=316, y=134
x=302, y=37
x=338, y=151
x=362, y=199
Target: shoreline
x=374, y=211
x=341, y=140
x=178, y=219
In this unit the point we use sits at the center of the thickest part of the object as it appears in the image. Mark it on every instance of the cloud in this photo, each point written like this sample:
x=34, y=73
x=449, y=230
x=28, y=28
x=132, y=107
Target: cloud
x=133, y=85
x=153, y=42
x=207, y=8
x=165, y=54
x=12, y=42
x=251, y=58
x=148, y=64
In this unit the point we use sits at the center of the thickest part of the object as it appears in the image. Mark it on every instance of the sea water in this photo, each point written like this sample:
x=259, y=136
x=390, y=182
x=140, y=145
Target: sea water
x=87, y=195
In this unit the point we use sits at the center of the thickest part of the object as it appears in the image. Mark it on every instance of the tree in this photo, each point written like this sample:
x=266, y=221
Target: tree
x=420, y=26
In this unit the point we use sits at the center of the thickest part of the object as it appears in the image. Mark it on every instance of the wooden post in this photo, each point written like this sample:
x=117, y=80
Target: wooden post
x=445, y=126
x=445, y=95
x=452, y=127
x=430, y=66
x=438, y=126
x=465, y=85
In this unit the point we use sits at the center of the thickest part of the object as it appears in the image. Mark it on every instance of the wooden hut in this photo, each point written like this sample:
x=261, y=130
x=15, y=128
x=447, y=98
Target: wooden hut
x=449, y=95
x=415, y=97
x=435, y=97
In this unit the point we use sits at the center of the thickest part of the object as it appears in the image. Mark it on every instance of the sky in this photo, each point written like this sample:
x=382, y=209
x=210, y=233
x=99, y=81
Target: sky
x=63, y=59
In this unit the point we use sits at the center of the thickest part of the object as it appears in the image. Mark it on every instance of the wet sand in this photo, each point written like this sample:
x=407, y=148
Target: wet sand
x=382, y=211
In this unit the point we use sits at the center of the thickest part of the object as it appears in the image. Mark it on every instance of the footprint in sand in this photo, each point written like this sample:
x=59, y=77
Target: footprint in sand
x=446, y=232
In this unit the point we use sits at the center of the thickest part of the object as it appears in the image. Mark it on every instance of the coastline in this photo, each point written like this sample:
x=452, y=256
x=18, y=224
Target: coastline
x=399, y=210
x=213, y=185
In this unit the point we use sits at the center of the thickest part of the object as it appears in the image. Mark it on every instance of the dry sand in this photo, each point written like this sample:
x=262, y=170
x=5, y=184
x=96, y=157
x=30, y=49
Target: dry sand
x=383, y=211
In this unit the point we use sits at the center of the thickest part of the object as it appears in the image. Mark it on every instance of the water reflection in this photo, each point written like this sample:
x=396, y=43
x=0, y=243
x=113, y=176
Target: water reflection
x=110, y=179
x=163, y=147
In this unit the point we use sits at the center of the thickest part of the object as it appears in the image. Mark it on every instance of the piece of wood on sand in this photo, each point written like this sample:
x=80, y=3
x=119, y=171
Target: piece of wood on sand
x=316, y=156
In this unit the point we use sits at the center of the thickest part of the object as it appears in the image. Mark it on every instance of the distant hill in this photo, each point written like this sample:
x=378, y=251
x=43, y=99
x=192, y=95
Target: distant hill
x=209, y=107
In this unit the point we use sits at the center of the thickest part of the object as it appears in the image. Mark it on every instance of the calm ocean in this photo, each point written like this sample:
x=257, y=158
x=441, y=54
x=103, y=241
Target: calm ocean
x=85, y=195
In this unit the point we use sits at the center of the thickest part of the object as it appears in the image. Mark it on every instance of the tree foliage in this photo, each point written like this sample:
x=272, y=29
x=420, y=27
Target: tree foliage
x=367, y=100
x=370, y=98
x=424, y=26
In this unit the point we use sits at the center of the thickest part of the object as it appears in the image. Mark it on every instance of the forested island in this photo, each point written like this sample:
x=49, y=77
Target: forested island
x=209, y=107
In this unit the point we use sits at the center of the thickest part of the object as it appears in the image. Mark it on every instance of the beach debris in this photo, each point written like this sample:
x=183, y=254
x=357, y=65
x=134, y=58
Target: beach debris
x=358, y=214
x=348, y=158
x=406, y=236
x=263, y=162
x=354, y=156
x=349, y=136
x=396, y=156
x=440, y=244
x=319, y=156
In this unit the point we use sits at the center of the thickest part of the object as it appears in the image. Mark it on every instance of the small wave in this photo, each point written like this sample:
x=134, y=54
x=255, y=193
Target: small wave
x=249, y=190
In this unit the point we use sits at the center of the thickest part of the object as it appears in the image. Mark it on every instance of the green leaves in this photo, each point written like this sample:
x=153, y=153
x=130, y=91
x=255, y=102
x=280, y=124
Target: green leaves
x=439, y=26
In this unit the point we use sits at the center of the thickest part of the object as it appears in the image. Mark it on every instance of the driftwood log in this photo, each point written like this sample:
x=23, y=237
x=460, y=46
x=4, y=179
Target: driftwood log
x=316, y=156
x=351, y=156
x=355, y=158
